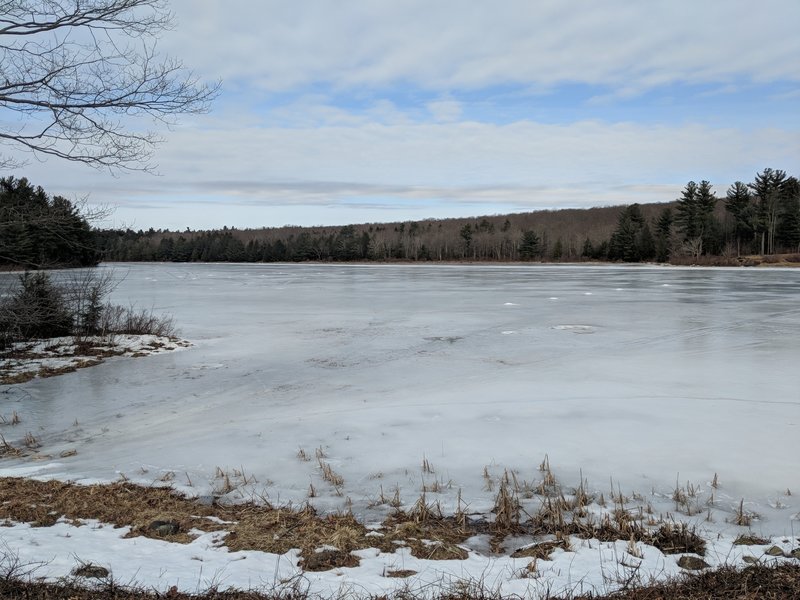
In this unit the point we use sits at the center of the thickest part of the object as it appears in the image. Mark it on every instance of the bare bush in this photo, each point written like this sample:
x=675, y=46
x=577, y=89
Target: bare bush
x=41, y=307
x=120, y=319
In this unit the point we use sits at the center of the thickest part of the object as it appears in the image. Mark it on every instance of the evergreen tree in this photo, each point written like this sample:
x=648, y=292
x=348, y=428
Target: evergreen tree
x=39, y=232
x=625, y=243
x=686, y=219
x=588, y=248
x=663, y=235
x=767, y=189
x=529, y=248
x=789, y=217
x=646, y=243
x=696, y=220
x=738, y=203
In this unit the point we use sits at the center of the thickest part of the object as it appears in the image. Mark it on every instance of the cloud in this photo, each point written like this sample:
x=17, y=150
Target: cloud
x=448, y=45
x=432, y=169
x=444, y=111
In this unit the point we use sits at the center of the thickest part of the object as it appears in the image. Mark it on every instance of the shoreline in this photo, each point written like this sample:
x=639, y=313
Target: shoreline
x=50, y=357
x=757, y=262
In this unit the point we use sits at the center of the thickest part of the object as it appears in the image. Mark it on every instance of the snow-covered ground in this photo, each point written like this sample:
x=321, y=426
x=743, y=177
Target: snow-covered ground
x=644, y=376
x=58, y=355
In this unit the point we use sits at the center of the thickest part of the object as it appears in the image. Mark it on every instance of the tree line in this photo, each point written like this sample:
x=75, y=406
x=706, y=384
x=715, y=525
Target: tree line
x=760, y=217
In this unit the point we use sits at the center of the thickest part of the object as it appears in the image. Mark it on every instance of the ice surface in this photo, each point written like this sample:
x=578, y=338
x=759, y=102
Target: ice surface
x=688, y=372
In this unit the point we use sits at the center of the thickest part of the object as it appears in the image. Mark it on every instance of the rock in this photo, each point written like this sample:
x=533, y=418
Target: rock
x=795, y=553
x=164, y=528
x=329, y=559
x=90, y=570
x=774, y=551
x=692, y=563
x=750, y=560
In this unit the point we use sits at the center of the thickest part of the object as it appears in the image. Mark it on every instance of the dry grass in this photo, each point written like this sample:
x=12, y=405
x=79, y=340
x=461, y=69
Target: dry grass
x=758, y=582
x=12, y=420
x=742, y=517
x=7, y=449
x=329, y=475
x=542, y=550
x=750, y=540
x=423, y=528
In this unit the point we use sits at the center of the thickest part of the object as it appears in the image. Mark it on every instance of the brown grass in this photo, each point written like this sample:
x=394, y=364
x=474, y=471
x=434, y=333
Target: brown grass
x=423, y=529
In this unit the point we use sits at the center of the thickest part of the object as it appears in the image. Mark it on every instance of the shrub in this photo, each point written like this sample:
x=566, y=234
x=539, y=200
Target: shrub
x=37, y=309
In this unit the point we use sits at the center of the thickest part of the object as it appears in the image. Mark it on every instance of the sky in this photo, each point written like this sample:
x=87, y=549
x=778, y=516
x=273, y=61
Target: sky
x=354, y=111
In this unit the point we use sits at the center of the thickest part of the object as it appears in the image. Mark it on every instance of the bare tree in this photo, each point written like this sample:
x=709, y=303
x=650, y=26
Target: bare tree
x=74, y=72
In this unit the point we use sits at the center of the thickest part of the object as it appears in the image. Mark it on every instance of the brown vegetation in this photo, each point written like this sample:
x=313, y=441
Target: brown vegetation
x=327, y=541
x=424, y=529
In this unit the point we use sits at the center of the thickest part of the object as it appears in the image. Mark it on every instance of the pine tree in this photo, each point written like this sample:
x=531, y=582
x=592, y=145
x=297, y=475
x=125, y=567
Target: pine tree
x=625, y=243
x=789, y=217
x=530, y=246
x=767, y=189
x=663, y=235
x=696, y=220
x=738, y=202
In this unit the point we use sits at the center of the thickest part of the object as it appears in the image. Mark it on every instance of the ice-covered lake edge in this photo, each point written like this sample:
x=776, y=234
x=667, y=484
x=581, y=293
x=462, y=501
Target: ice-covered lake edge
x=477, y=371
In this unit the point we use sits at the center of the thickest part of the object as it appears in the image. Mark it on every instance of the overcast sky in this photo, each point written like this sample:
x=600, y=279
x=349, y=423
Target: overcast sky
x=345, y=111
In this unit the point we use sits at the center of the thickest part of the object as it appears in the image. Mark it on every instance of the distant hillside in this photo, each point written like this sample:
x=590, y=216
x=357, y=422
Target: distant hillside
x=762, y=217
x=483, y=238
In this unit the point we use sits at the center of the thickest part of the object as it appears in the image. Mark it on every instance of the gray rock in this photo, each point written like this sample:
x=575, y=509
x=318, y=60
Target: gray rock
x=165, y=528
x=692, y=563
x=750, y=560
x=774, y=551
x=90, y=570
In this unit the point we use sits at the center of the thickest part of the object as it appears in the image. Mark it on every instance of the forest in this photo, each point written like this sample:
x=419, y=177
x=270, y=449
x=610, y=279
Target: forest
x=760, y=218
x=40, y=232
x=757, y=218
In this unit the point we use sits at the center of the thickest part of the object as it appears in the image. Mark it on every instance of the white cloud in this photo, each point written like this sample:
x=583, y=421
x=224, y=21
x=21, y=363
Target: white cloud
x=449, y=44
x=430, y=169
x=445, y=110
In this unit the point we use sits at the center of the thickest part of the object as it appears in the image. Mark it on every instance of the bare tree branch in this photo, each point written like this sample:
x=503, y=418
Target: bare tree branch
x=75, y=75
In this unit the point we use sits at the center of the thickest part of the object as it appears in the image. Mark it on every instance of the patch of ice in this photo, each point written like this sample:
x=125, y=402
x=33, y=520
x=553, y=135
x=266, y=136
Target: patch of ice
x=576, y=328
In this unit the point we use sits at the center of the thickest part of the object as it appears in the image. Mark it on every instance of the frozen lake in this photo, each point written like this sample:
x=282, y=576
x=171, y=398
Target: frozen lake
x=641, y=374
